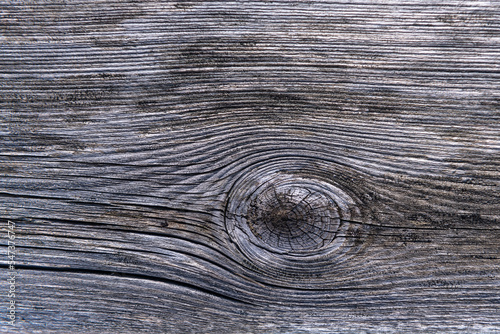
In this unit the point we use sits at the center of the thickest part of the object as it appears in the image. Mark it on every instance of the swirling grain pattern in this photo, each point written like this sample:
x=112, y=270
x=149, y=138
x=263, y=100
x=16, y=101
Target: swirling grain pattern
x=252, y=166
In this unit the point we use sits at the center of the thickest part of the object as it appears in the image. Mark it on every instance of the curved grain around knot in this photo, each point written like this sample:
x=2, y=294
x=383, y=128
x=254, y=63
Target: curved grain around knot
x=290, y=225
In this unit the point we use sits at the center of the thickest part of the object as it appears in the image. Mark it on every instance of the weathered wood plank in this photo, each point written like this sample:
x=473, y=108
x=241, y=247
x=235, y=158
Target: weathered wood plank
x=257, y=166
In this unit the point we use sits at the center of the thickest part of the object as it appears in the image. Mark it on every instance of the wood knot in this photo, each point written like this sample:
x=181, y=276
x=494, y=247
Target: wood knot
x=291, y=223
x=292, y=218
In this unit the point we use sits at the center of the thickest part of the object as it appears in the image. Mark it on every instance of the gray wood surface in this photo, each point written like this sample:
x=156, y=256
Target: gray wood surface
x=252, y=166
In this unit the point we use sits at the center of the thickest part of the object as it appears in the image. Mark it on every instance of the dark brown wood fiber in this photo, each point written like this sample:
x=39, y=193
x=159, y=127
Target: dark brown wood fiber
x=251, y=166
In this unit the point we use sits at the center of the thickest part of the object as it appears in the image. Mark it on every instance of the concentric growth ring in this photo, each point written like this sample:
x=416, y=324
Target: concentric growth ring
x=292, y=215
x=286, y=217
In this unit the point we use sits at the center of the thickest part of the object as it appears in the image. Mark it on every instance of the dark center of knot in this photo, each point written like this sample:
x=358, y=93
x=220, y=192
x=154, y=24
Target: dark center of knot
x=293, y=219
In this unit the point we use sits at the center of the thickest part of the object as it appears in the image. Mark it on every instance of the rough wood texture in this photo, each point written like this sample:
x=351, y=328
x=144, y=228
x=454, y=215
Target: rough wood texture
x=252, y=166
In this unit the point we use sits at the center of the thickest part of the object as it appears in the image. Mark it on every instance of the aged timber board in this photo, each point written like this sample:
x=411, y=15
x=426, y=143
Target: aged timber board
x=250, y=166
